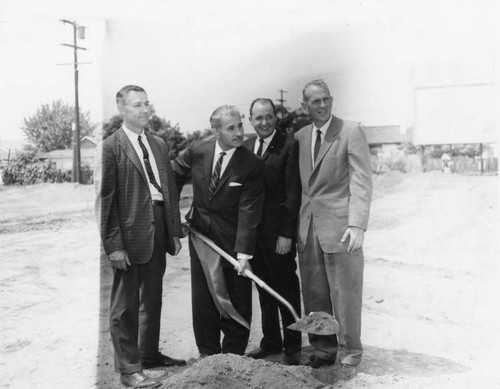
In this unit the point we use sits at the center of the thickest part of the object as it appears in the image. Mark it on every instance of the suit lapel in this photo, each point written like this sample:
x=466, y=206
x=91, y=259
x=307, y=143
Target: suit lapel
x=207, y=163
x=229, y=168
x=129, y=151
x=274, y=143
x=330, y=137
x=160, y=161
x=250, y=143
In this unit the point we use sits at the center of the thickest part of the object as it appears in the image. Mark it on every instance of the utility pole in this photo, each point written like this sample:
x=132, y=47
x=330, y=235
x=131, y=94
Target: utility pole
x=281, y=100
x=76, y=176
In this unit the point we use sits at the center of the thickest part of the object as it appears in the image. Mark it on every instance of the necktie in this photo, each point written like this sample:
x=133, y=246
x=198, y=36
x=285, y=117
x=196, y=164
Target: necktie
x=259, y=150
x=149, y=170
x=317, y=144
x=215, y=176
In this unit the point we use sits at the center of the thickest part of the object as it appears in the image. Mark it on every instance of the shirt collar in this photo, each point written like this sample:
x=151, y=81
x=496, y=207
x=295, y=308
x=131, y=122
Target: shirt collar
x=324, y=127
x=218, y=150
x=131, y=134
x=269, y=138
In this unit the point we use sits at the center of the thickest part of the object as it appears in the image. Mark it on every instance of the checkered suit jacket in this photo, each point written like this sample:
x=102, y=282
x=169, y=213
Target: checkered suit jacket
x=123, y=203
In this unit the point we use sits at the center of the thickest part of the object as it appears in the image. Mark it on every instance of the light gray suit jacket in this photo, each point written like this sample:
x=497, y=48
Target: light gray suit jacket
x=337, y=190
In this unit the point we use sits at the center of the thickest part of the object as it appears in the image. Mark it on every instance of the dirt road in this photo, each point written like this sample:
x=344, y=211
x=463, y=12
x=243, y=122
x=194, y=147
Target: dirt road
x=431, y=283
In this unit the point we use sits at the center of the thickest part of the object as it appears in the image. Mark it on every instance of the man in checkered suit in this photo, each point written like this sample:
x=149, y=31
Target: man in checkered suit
x=138, y=211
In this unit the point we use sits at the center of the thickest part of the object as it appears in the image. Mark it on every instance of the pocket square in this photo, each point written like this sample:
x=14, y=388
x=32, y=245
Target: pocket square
x=235, y=184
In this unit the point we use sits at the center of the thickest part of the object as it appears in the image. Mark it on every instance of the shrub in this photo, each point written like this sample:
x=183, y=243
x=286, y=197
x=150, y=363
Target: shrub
x=22, y=172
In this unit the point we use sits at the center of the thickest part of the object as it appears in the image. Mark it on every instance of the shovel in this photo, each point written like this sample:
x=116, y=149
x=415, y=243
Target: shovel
x=318, y=323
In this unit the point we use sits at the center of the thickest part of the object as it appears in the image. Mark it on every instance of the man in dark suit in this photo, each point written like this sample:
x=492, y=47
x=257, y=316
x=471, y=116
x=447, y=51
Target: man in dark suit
x=138, y=213
x=335, y=172
x=228, y=194
x=274, y=259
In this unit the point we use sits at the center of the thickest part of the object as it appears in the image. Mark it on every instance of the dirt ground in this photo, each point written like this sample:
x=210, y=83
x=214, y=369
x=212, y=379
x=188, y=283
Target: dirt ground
x=431, y=281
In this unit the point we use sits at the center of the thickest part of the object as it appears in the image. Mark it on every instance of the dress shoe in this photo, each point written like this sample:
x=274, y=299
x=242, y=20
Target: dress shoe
x=315, y=362
x=348, y=370
x=292, y=358
x=260, y=353
x=162, y=361
x=138, y=380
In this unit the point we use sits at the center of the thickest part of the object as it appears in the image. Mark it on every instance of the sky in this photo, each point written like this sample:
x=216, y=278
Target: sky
x=192, y=56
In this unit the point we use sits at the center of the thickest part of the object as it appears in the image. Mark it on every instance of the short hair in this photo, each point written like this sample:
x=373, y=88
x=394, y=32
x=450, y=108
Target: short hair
x=321, y=83
x=262, y=100
x=123, y=92
x=223, y=110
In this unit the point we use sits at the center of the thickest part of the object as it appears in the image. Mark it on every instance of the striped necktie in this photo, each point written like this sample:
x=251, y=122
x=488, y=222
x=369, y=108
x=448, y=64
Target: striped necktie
x=149, y=170
x=215, y=176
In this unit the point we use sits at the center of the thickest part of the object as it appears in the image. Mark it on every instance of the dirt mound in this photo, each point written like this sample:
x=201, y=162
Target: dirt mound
x=237, y=372
x=319, y=323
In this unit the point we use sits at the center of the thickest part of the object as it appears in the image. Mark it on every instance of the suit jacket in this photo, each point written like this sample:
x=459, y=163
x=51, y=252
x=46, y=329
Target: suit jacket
x=230, y=219
x=282, y=189
x=123, y=204
x=337, y=190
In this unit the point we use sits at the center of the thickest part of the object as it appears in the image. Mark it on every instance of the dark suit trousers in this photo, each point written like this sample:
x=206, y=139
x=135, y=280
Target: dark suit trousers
x=207, y=321
x=279, y=272
x=136, y=299
x=333, y=283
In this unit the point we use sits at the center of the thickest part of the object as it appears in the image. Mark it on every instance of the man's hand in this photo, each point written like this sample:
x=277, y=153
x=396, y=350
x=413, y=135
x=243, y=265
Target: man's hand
x=177, y=244
x=119, y=259
x=357, y=236
x=243, y=264
x=283, y=245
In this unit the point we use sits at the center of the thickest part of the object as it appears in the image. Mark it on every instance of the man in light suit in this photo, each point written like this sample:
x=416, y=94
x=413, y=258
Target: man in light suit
x=335, y=171
x=137, y=210
x=274, y=259
x=228, y=194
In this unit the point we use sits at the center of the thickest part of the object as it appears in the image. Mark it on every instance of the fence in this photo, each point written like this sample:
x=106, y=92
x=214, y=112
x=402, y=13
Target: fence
x=462, y=165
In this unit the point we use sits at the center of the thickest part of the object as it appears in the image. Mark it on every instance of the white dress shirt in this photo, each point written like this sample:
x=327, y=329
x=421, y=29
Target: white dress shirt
x=225, y=160
x=323, y=129
x=265, y=145
x=133, y=137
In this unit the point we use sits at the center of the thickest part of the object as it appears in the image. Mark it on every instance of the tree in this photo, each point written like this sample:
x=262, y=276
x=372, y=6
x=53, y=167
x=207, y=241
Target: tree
x=289, y=121
x=157, y=126
x=198, y=135
x=50, y=127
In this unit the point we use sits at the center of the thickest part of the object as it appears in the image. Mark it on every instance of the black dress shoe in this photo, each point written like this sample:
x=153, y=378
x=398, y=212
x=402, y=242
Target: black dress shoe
x=138, y=380
x=260, y=353
x=292, y=358
x=162, y=361
x=315, y=362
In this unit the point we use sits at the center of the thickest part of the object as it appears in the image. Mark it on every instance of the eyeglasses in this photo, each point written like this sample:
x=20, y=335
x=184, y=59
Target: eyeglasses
x=317, y=102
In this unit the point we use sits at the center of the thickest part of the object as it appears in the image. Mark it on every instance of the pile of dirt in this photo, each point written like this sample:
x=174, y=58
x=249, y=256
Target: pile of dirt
x=237, y=372
x=319, y=323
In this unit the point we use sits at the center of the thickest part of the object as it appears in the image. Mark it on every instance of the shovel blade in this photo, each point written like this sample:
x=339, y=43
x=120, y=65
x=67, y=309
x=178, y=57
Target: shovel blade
x=318, y=323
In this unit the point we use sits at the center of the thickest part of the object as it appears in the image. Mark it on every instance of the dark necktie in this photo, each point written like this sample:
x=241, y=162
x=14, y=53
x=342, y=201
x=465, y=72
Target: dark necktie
x=259, y=150
x=317, y=144
x=215, y=176
x=149, y=170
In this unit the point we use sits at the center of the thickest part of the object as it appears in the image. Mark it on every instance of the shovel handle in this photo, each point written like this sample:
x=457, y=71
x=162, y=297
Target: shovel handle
x=248, y=273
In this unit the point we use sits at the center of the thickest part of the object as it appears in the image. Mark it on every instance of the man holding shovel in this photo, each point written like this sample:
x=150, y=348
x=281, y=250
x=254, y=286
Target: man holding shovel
x=228, y=194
